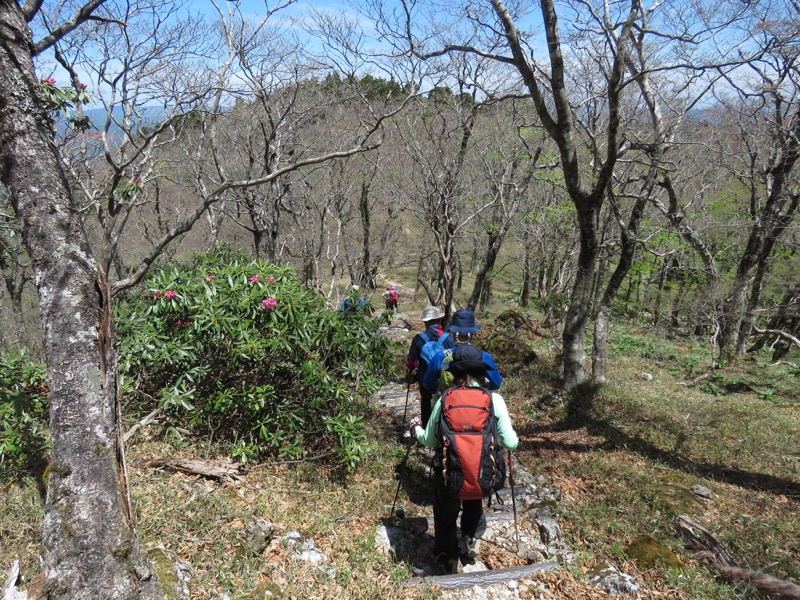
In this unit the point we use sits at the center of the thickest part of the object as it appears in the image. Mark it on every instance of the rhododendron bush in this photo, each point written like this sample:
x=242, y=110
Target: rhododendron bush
x=239, y=349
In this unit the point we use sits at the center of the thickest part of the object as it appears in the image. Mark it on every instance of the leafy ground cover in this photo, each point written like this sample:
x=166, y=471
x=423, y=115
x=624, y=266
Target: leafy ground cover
x=624, y=455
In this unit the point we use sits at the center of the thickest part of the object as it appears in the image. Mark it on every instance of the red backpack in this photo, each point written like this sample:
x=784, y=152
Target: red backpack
x=470, y=452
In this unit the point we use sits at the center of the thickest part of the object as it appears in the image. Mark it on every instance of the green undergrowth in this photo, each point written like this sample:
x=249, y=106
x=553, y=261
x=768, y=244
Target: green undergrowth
x=24, y=438
x=240, y=352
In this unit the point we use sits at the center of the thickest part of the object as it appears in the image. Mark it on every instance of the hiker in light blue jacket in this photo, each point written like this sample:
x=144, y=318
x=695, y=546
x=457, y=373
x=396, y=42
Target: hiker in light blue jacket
x=469, y=370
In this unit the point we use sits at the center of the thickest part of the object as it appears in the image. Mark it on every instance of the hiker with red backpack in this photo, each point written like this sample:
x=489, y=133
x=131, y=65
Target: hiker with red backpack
x=392, y=297
x=423, y=347
x=468, y=428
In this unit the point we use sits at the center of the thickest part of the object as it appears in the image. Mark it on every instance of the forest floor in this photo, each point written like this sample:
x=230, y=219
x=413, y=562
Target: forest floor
x=624, y=456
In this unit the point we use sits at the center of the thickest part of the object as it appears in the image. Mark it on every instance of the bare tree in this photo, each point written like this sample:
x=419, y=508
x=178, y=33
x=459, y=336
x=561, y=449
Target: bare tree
x=587, y=124
x=766, y=109
x=437, y=134
x=507, y=167
x=490, y=31
x=206, y=87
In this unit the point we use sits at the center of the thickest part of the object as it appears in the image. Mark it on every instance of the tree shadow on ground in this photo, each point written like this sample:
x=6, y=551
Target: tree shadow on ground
x=34, y=466
x=581, y=413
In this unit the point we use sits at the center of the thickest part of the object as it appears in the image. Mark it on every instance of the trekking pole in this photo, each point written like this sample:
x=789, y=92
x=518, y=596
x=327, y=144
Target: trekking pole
x=513, y=496
x=408, y=391
x=400, y=469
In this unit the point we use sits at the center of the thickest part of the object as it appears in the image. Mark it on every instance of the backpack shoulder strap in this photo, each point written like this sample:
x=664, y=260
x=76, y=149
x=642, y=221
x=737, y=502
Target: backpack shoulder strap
x=489, y=393
x=444, y=336
x=425, y=337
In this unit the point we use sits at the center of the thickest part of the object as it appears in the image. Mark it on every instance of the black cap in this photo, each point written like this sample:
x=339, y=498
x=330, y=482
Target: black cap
x=466, y=357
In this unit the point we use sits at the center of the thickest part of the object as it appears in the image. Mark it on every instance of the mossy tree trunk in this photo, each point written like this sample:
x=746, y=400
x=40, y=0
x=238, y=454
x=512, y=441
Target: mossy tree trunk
x=90, y=544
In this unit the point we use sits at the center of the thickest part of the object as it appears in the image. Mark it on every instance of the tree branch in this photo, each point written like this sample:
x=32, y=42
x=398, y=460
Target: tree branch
x=779, y=333
x=705, y=545
x=83, y=15
x=30, y=8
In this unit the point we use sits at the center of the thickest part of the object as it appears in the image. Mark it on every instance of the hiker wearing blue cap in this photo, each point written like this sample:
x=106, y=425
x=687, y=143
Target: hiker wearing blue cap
x=463, y=326
x=468, y=429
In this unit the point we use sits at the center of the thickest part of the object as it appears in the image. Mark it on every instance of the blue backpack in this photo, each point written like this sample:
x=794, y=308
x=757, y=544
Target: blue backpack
x=430, y=347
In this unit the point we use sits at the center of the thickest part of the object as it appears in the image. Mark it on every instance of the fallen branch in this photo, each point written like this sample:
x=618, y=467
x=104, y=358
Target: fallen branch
x=151, y=418
x=766, y=584
x=196, y=466
x=706, y=546
x=787, y=363
x=702, y=377
x=481, y=578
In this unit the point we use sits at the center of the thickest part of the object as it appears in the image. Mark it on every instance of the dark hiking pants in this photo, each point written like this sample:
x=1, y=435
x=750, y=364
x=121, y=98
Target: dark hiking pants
x=446, y=507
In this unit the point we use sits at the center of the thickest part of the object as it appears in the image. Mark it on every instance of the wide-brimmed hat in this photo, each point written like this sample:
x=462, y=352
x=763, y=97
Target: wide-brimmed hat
x=463, y=322
x=466, y=357
x=431, y=313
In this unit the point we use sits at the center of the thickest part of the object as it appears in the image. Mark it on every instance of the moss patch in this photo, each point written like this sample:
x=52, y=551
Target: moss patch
x=672, y=498
x=266, y=590
x=164, y=568
x=648, y=552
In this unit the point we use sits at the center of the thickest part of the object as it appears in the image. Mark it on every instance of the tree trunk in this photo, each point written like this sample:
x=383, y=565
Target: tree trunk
x=580, y=301
x=662, y=277
x=734, y=312
x=90, y=544
x=482, y=276
x=370, y=271
x=527, y=275
x=214, y=218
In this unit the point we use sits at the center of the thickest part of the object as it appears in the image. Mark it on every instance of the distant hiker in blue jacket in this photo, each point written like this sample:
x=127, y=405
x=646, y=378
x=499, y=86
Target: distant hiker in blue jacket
x=463, y=326
x=355, y=303
x=417, y=360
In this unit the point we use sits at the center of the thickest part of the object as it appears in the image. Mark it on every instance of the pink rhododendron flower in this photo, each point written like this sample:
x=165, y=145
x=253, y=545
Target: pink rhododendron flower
x=210, y=277
x=83, y=86
x=179, y=323
x=269, y=303
x=158, y=294
x=272, y=280
x=169, y=294
x=254, y=278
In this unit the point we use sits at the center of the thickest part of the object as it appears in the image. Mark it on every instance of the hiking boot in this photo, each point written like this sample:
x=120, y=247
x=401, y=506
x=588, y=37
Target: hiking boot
x=473, y=546
x=446, y=566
